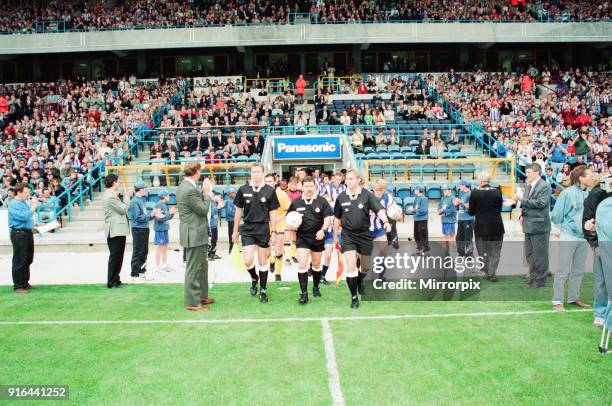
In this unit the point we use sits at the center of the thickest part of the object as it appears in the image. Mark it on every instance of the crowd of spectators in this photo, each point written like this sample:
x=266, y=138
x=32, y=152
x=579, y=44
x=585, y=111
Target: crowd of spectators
x=54, y=134
x=559, y=119
x=395, y=101
x=217, y=121
x=22, y=16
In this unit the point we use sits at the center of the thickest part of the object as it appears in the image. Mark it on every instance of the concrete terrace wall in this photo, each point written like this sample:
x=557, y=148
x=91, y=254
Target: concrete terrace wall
x=306, y=34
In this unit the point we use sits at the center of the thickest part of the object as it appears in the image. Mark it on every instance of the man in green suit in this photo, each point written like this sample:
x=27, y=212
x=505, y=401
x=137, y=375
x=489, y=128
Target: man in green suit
x=116, y=228
x=192, y=205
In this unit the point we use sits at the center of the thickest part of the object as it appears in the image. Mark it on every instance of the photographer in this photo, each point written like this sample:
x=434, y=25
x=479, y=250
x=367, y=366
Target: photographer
x=602, y=278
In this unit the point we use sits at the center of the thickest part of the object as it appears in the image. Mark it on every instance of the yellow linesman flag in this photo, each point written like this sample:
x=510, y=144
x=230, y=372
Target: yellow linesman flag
x=236, y=258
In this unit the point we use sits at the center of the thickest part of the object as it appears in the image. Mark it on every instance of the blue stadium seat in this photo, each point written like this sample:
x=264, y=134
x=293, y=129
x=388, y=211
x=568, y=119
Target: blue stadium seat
x=434, y=191
x=393, y=148
x=468, y=168
x=442, y=169
x=405, y=149
x=403, y=193
x=153, y=196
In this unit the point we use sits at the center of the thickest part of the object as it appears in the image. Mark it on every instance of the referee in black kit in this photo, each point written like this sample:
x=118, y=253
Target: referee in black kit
x=352, y=213
x=310, y=236
x=258, y=201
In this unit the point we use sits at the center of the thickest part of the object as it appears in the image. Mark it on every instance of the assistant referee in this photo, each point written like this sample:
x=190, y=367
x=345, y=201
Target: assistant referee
x=352, y=213
x=21, y=225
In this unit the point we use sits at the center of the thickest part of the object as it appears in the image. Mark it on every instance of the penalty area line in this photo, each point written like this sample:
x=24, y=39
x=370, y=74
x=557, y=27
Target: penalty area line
x=291, y=319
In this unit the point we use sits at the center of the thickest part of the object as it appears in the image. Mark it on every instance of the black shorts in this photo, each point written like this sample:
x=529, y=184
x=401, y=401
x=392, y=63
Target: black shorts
x=255, y=234
x=309, y=241
x=357, y=241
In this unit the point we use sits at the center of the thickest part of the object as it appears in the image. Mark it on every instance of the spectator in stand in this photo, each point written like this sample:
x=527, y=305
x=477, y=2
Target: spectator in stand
x=244, y=146
x=437, y=150
x=357, y=140
x=422, y=148
x=300, y=86
x=258, y=144
x=362, y=89
x=20, y=18
x=323, y=115
x=333, y=120
x=380, y=138
x=368, y=140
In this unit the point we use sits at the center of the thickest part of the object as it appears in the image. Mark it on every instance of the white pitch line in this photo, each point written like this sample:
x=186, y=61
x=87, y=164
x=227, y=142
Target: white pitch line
x=332, y=367
x=289, y=319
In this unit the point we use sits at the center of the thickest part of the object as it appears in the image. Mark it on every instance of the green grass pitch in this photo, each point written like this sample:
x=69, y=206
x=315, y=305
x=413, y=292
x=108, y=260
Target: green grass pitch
x=541, y=358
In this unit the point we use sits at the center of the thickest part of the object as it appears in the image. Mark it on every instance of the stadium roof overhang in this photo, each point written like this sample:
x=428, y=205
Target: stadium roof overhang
x=316, y=34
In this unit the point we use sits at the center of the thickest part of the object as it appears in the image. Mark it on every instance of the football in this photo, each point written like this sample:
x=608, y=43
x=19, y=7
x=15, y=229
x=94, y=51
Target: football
x=394, y=212
x=294, y=220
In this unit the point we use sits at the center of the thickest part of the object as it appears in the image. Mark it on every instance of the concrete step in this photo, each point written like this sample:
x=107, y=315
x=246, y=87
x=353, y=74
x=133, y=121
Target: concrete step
x=89, y=216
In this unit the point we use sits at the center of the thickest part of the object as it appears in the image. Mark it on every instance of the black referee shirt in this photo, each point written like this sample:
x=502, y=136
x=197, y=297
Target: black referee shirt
x=313, y=213
x=257, y=204
x=354, y=214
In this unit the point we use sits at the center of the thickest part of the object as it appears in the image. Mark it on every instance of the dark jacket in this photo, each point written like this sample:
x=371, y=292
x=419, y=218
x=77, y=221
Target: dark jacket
x=596, y=196
x=486, y=204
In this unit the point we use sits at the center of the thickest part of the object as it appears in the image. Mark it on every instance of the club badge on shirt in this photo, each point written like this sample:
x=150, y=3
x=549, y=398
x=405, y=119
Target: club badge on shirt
x=263, y=199
x=317, y=210
x=360, y=206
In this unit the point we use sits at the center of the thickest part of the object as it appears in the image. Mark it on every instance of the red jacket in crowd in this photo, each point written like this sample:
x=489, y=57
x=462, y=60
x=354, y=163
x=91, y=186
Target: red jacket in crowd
x=300, y=86
x=3, y=104
x=582, y=120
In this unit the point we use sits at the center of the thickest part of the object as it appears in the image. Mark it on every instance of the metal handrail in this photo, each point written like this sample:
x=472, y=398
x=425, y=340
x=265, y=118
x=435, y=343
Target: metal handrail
x=451, y=162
